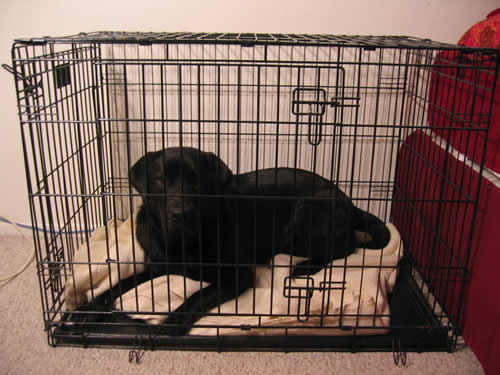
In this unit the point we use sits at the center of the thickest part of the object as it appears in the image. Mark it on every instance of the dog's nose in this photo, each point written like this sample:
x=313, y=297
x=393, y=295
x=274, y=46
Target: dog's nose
x=177, y=216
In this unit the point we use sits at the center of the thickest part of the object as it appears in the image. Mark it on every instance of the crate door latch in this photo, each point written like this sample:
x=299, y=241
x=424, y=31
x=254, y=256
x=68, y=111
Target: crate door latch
x=310, y=102
x=303, y=289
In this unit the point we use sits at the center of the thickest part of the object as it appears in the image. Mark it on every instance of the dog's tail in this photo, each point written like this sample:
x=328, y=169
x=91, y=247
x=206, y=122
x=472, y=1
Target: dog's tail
x=370, y=231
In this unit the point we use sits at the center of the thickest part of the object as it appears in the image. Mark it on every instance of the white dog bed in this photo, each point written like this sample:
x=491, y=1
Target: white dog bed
x=361, y=308
x=95, y=263
x=362, y=304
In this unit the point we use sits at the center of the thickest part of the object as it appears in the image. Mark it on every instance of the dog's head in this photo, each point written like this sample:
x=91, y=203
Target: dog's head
x=322, y=224
x=169, y=180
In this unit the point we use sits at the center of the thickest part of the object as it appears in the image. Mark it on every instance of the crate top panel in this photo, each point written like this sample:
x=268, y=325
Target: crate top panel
x=248, y=39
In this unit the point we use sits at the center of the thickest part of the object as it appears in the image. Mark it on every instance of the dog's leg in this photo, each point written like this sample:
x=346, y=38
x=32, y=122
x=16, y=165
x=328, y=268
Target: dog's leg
x=200, y=303
x=308, y=267
x=99, y=308
x=378, y=233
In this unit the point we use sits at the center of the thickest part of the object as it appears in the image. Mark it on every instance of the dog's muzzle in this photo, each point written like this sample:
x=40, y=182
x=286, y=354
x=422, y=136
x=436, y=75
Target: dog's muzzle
x=177, y=218
x=180, y=213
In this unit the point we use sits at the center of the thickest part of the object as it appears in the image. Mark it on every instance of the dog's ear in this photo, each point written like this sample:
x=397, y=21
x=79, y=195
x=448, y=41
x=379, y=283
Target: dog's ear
x=137, y=175
x=218, y=172
x=140, y=174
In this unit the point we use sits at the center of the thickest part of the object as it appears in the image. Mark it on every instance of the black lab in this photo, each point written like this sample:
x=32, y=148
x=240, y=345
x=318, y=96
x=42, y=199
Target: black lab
x=185, y=222
x=312, y=218
x=185, y=227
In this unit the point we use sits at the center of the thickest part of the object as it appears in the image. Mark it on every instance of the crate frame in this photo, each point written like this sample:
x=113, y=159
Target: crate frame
x=433, y=335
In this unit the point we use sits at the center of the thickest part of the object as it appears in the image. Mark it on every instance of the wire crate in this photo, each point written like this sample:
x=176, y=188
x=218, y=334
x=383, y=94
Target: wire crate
x=341, y=108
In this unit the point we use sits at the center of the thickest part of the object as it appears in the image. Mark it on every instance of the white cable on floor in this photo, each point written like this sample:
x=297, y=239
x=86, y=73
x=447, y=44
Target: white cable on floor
x=28, y=262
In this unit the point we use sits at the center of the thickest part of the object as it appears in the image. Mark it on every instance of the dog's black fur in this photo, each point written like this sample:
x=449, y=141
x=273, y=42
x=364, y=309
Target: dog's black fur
x=317, y=221
x=192, y=222
x=176, y=225
x=186, y=228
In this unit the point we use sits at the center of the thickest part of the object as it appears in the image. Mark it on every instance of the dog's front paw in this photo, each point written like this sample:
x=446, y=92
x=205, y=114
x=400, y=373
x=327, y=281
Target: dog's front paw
x=302, y=269
x=176, y=325
x=175, y=331
x=89, y=313
x=307, y=268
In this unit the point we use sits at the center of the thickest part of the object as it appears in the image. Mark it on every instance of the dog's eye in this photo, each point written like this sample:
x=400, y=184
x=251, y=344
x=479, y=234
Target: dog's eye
x=190, y=176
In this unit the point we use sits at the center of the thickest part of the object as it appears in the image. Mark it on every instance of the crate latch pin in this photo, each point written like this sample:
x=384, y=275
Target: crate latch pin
x=29, y=87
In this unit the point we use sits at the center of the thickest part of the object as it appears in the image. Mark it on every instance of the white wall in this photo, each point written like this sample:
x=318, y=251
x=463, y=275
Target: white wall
x=441, y=20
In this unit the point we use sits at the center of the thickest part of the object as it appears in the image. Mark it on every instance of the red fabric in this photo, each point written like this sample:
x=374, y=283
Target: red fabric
x=460, y=94
x=482, y=310
x=431, y=192
x=484, y=33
